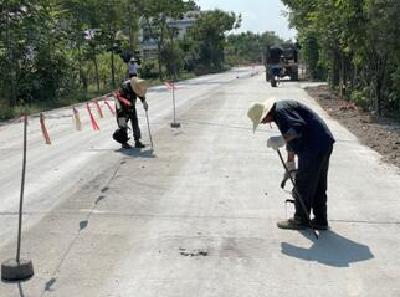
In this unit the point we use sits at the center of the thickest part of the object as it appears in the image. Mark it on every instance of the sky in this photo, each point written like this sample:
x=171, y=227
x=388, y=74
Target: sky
x=257, y=15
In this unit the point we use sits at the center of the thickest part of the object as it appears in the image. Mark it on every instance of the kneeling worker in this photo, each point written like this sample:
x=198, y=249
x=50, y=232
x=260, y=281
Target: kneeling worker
x=127, y=95
x=307, y=136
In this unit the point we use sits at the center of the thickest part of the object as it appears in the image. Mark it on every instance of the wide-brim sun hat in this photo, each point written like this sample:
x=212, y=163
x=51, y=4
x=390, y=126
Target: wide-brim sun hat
x=139, y=86
x=257, y=111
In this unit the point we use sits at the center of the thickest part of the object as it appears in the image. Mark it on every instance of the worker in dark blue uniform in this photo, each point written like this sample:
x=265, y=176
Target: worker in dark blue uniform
x=307, y=136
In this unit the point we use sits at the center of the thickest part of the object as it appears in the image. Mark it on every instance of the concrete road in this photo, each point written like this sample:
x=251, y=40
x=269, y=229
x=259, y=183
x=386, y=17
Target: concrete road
x=196, y=216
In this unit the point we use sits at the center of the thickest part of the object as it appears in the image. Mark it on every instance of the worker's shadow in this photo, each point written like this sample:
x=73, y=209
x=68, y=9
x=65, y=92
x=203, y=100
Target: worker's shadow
x=138, y=153
x=331, y=249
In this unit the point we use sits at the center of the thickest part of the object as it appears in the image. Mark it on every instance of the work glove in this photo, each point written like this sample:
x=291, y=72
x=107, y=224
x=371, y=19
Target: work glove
x=291, y=171
x=145, y=106
x=275, y=142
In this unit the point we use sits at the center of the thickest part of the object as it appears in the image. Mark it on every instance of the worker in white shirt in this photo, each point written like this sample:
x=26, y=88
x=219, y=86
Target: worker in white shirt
x=133, y=67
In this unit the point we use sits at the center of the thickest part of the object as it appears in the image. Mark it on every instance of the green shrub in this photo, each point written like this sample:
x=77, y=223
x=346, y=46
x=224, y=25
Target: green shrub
x=147, y=70
x=359, y=98
x=201, y=70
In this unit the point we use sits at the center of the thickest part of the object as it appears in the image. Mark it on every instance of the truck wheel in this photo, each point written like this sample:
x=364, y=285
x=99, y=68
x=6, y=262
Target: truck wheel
x=295, y=74
x=273, y=82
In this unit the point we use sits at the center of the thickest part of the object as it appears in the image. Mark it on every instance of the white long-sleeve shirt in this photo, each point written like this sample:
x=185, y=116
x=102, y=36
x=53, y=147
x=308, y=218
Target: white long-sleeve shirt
x=133, y=68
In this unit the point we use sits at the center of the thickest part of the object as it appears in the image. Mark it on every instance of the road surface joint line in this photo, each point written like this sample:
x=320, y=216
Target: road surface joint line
x=83, y=225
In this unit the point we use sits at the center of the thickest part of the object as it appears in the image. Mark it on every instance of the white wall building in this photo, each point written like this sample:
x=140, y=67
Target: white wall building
x=182, y=25
x=149, y=43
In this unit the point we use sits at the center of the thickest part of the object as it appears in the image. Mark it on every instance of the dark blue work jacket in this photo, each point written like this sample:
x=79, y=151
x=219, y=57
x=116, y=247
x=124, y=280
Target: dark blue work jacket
x=314, y=134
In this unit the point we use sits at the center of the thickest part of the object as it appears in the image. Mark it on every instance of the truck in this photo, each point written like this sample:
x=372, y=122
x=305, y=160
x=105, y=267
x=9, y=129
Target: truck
x=282, y=62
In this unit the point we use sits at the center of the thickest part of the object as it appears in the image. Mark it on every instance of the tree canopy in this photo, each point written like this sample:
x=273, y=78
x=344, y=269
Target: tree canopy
x=355, y=44
x=55, y=51
x=248, y=47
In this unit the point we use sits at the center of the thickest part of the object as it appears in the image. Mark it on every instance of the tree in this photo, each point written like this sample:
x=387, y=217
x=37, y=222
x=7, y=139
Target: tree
x=357, y=42
x=248, y=47
x=158, y=15
x=209, y=35
x=52, y=49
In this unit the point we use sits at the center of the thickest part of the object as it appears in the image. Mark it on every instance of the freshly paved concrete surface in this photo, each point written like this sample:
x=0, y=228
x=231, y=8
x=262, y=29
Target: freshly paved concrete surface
x=196, y=217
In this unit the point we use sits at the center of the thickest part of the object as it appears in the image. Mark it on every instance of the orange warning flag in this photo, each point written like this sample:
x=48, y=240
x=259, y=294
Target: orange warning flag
x=93, y=121
x=44, y=130
x=77, y=119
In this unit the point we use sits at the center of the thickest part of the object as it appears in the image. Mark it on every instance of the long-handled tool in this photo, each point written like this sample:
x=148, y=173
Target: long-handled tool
x=297, y=195
x=148, y=127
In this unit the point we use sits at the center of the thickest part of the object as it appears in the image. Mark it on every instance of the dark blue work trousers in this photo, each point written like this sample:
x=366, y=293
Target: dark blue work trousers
x=312, y=185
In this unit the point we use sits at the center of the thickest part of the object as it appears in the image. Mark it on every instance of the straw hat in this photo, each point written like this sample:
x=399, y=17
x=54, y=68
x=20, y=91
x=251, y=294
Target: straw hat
x=139, y=86
x=258, y=111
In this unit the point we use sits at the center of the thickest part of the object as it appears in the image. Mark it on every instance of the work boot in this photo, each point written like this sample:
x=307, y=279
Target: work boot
x=318, y=225
x=138, y=144
x=296, y=223
x=126, y=146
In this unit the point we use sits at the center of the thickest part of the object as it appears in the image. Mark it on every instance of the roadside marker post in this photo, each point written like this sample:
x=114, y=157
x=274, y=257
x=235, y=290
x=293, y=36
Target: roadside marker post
x=110, y=107
x=77, y=119
x=174, y=124
x=19, y=269
x=45, y=133
x=95, y=126
x=99, y=110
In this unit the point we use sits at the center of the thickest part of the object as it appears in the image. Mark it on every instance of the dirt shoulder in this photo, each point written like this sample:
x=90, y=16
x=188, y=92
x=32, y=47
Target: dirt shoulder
x=381, y=135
